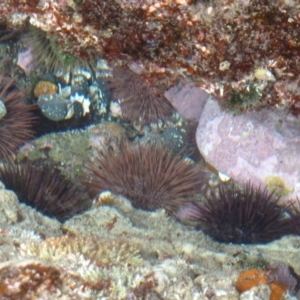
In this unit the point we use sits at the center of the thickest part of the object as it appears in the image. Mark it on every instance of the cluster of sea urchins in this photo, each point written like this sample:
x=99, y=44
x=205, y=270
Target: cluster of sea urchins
x=152, y=177
x=16, y=118
x=149, y=175
x=244, y=215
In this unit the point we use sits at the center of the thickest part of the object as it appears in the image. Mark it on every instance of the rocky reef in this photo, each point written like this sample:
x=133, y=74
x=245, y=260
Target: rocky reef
x=118, y=252
x=136, y=140
x=244, y=53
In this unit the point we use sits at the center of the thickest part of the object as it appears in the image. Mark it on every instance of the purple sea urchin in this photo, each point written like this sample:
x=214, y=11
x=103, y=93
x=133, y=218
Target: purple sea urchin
x=149, y=175
x=241, y=216
x=141, y=102
x=16, y=119
x=44, y=189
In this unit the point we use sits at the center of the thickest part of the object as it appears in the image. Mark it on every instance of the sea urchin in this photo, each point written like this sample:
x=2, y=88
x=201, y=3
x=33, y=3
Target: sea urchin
x=16, y=119
x=44, y=189
x=141, y=102
x=48, y=52
x=149, y=175
x=241, y=216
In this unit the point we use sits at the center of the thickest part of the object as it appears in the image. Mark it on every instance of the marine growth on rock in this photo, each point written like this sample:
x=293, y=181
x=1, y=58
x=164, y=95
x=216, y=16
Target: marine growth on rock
x=245, y=53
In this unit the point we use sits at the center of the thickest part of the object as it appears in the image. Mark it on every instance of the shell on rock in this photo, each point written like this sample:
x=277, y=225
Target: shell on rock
x=77, y=93
x=3, y=110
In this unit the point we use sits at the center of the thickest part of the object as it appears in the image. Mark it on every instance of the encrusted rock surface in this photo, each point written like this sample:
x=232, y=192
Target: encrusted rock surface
x=188, y=100
x=244, y=53
x=262, y=147
x=116, y=252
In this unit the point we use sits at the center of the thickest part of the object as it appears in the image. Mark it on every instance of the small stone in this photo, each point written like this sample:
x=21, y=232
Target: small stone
x=44, y=88
x=3, y=110
x=223, y=177
x=115, y=109
x=263, y=74
x=224, y=65
x=55, y=110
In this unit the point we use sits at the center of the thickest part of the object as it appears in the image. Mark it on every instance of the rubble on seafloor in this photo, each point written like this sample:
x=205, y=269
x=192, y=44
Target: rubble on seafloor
x=118, y=252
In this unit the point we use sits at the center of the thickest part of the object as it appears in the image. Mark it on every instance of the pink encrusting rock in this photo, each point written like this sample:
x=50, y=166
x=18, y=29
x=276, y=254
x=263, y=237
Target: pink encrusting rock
x=261, y=146
x=188, y=100
x=25, y=60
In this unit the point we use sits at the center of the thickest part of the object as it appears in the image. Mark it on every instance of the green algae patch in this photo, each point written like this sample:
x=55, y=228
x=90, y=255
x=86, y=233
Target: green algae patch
x=277, y=185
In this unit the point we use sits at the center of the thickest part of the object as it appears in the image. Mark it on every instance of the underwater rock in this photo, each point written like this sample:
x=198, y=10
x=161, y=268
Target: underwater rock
x=189, y=100
x=29, y=280
x=9, y=207
x=244, y=53
x=114, y=251
x=214, y=287
x=262, y=147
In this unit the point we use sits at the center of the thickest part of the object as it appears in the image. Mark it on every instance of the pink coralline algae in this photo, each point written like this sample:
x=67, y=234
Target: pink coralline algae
x=244, y=53
x=262, y=147
x=25, y=61
x=188, y=100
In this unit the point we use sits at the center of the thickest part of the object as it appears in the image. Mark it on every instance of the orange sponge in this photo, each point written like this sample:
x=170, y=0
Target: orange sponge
x=253, y=277
x=249, y=279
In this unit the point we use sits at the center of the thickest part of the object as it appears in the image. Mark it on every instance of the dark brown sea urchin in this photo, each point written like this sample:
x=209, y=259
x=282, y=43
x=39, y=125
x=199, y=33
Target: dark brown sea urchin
x=242, y=216
x=16, y=124
x=44, y=189
x=149, y=175
x=141, y=102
